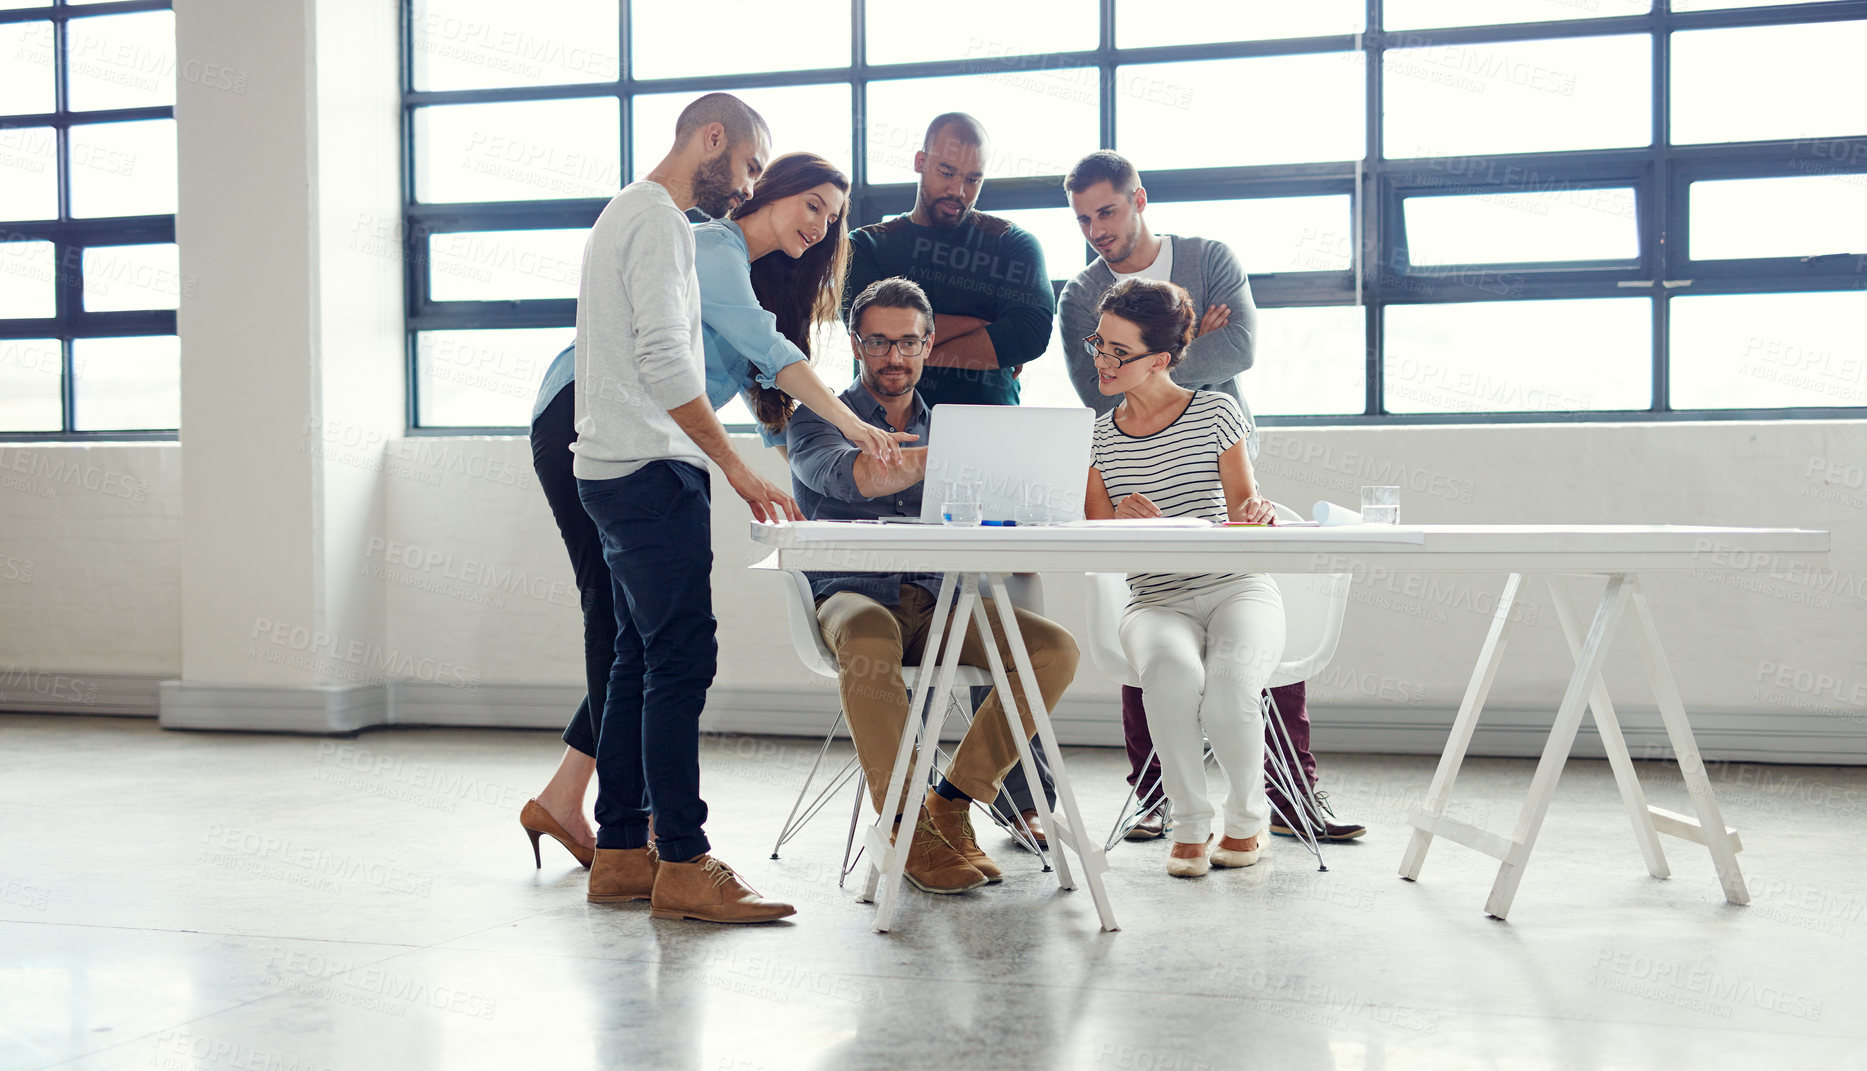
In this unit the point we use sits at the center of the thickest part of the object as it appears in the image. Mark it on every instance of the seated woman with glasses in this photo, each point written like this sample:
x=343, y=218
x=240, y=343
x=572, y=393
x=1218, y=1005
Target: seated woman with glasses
x=1203, y=644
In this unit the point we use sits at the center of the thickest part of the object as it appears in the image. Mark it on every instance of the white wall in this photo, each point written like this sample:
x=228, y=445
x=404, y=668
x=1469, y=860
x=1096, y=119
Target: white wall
x=475, y=578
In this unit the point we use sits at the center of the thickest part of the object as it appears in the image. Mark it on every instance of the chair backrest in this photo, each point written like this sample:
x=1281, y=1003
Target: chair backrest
x=800, y=613
x=1314, y=606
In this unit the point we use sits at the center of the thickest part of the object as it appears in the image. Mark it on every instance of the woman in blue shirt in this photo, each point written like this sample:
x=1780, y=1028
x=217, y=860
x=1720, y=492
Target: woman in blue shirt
x=757, y=312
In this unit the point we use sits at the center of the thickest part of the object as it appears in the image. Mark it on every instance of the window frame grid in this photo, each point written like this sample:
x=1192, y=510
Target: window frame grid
x=1658, y=174
x=71, y=236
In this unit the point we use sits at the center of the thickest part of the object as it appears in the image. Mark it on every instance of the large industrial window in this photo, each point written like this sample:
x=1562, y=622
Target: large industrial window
x=89, y=280
x=1451, y=210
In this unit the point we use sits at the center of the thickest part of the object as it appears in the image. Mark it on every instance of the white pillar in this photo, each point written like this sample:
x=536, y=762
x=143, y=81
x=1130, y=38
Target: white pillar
x=292, y=357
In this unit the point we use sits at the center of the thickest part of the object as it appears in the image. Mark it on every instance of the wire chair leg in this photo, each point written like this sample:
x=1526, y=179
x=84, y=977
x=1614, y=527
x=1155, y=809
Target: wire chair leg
x=791, y=824
x=1292, y=786
x=849, y=842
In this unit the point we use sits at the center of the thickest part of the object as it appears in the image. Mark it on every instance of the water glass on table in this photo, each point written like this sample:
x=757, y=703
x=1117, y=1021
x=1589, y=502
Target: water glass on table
x=1380, y=505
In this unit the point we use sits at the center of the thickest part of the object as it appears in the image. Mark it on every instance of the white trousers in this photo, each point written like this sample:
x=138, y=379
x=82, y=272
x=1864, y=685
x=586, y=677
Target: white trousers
x=1204, y=660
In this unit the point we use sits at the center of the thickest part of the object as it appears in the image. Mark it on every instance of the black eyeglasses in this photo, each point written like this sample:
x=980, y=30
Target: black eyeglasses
x=877, y=346
x=1093, y=347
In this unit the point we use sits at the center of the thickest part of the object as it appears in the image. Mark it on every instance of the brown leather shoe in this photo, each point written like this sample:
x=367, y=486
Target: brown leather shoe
x=953, y=818
x=707, y=889
x=623, y=874
x=1028, y=819
x=934, y=866
x=539, y=823
x=1152, y=825
x=1322, y=820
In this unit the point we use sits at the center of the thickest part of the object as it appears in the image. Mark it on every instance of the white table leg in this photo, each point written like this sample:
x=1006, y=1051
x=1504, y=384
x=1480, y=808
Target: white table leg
x=1614, y=744
x=879, y=839
x=1440, y=792
x=1711, y=827
x=1556, y=749
x=928, y=730
x=1072, y=833
x=1007, y=702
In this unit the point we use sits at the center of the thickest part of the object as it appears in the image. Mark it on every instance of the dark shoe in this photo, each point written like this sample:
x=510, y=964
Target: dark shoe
x=935, y=866
x=539, y=823
x=1323, y=818
x=953, y=819
x=707, y=889
x=623, y=874
x=1153, y=824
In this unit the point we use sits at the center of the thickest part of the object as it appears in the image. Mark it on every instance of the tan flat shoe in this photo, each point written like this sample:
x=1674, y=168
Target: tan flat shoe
x=539, y=823
x=1235, y=857
x=1189, y=867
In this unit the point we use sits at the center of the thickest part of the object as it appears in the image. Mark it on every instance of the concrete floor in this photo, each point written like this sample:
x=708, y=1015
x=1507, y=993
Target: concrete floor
x=178, y=900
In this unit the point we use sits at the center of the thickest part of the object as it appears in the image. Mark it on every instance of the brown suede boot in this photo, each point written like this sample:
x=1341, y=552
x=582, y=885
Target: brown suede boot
x=707, y=889
x=953, y=818
x=622, y=874
x=934, y=866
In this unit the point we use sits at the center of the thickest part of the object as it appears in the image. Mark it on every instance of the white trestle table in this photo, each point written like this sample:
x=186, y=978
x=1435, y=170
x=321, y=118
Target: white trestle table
x=976, y=562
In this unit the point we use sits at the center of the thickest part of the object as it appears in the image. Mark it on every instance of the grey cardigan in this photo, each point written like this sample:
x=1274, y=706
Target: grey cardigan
x=1211, y=274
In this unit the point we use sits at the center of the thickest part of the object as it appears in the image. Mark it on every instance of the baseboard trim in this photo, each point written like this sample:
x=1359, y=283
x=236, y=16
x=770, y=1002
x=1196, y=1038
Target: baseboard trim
x=319, y=709
x=1772, y=736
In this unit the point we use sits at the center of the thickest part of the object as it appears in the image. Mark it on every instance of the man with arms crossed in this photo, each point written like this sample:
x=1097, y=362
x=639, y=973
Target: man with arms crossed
x=1107, y=197
x=874, y=621
x=984, y=275
x=644, y=434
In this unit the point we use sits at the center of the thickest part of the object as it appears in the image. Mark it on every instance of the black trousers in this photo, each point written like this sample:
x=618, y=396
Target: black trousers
x=552, y=434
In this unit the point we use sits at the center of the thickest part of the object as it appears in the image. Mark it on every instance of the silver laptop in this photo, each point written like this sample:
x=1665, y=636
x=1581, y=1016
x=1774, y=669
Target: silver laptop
x=1010, y=456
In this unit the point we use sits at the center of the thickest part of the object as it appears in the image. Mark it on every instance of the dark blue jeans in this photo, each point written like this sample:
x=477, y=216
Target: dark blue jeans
x=656, y=525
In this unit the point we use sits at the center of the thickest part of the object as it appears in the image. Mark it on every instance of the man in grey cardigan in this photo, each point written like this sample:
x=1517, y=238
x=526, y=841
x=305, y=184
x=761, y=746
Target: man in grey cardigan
x=1108, y=200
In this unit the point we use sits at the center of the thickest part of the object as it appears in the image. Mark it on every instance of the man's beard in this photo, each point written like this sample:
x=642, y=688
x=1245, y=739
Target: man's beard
x=873, y=381
x=933, y=217
x=714, y=189
x=1124, y=248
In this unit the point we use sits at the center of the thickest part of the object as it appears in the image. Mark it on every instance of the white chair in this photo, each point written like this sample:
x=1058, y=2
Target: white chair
x=1314, y=606
x=800, y=608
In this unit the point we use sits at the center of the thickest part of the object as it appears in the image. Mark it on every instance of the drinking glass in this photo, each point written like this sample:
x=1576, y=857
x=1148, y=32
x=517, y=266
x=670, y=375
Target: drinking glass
x=1380, y=505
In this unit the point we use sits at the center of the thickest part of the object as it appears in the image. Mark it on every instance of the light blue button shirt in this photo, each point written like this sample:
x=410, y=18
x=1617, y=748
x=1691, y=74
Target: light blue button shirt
x=741, y=339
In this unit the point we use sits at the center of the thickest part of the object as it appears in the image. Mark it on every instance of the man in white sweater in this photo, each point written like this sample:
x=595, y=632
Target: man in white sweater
x=645, y=432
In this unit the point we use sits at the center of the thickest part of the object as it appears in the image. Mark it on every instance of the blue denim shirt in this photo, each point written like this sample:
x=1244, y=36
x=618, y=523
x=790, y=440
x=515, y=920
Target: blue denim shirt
x=823, y=480
x=742, y=342
x=743, y=346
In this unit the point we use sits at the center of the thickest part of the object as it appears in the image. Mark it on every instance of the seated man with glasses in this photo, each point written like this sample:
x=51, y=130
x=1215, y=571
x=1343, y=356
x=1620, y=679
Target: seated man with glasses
x=873, y=622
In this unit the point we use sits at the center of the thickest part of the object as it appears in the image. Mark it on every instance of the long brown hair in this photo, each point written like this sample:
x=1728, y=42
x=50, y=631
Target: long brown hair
x=800, y=293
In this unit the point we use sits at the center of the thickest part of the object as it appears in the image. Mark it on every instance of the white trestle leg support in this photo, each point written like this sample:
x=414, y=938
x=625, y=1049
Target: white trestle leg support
x=1585, y=693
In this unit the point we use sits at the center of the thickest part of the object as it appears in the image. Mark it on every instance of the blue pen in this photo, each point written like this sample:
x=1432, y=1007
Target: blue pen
x=999, y=524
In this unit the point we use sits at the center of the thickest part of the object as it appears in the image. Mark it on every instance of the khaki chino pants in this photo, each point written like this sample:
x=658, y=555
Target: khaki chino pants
x=871, y=641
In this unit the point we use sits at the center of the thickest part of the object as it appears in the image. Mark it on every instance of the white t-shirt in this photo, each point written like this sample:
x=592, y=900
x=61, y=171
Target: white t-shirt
x=1177, y=468
x=1161, y=269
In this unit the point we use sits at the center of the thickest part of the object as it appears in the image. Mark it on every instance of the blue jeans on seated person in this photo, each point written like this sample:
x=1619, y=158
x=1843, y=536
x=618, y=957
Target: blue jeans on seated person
x=656, y=525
